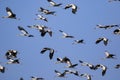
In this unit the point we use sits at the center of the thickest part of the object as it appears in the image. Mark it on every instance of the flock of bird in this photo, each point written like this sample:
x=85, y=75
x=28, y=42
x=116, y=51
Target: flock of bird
x=12, y=55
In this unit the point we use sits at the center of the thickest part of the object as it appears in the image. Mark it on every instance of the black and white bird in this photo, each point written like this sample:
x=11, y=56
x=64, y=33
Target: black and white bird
x=117, y=66
x=113, y=0
x=46, y=11
x=65, y=35
x=21, y=78
x=116, y=31
x=103, y=67
x=10, y=54
x=2, y=69
x=73, y=6
x=72, y=72
x=51, y=51
x=13, y=61
x=40, y=17
x=62, y=60
x=91, y=66
x=54, y=4
x=24, y=32
x=36, y=78
x=107, y=26
x=109, y=55
x=105, y=40
x=81, y=41
x=59, y=74
x=10, y=14
x=88, y=76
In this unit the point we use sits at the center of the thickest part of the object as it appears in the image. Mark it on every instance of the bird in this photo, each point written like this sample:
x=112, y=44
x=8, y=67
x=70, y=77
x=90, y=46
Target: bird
x=40, y=17
x=51, y=51
x=36, y=78
x=88, y=76
x=46, y=11
x=113, y=0
x=78, y=41
x=11, y=54
x=54, y=4
x=91, y=66
x=21, y=78
x=72, y=72
x=62, y=60
x=107, y=26
x=116, y=31
x=109, y=55
x=59, y=74
x=73, y=6
x=103, y=67
x=24, y=32
x=117, y=66
x=65, y=35
x=105, y=40
x=2, y=69
x=10, y=14
x=13, y=61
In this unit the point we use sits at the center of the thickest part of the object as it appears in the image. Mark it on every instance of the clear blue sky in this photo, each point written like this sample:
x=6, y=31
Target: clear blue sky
x=81, y=25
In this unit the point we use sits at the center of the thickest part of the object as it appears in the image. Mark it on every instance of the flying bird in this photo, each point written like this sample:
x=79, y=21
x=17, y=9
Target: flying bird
x=24, y=32
x=36, y=78
x=40, y=17
x=109, y=55
x=103, y=67
x=106, y=26
x=2, y=69
x=105, y=40
x=72, y=72
x=21, y=78
x=65, y=35
x=13, y=61
x=91, y=66
x=113, y=0
x=78, y=41
x=10, y=14
x=117, y=66
x=59, y=74
x=116, y=31
x=62, y=60
x=88, y=76
x=73, y=6
x=51, y=52
x=54, y=4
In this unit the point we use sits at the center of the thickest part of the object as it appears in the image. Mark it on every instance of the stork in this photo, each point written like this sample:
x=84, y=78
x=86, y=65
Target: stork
x=117, y=66
x=59, y=74
x=21, y=78
x=36, y=78
x=106, y=26
x=88, y=76
x=62, y=60
x=76, y=73
x=116, y=31
x=10, y=14
x=78, y=41
x=91, y=66
x=13, y=61
x=108, y=55
x=24, y=32
x=2, y=69
x=105, y=40
x=113, y=0
x=51, y=51
x=103, y=67
x=73, y=6
x=65, y=35
x=46, y=11
x=40, y=17
x=54, y=4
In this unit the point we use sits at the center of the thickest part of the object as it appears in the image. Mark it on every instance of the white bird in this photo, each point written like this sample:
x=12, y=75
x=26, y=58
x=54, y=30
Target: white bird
x=40, y=17
x=24, y=32
x=88, y=76
x=108, y=55
x=36, y=78
x=54, y=4
x=46, y=11
x=103, y=67
x=65, y=35
x=2, y=69
x=59, y=74
x=10, y=14
x=105, y=40
x=51, y=51
x=73, y=6
x=13, y=61
x=116, y=31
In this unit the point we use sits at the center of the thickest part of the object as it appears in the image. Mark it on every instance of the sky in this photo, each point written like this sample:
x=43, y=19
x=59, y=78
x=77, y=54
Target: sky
x=80, y=25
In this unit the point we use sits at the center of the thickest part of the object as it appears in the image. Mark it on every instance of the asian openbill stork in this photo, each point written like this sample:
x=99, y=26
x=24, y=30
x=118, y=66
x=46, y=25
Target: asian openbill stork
x=91, y=66
x=73, y=6
x=88, y=76
x=54, y=4
x=65, y=35
x=36, y=78
x=59, y=74
x=113, y=0
x=2, y=69
x=62, y=60
x=24, y=32
x=13, y=61
x=46, y=11
x=106, y=26
x=109, y=55
x=105, y=40
x=116, y=31
x=103, y=67
x=81, y=41
x=10, y=14
x=40, y=17
x=117, y=66
x=51, y=51
x=76, y=73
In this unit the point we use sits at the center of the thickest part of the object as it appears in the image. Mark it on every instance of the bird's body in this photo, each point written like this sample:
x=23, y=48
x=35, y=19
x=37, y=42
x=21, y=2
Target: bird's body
x=54, y=4
x=105, y=40
x=88, y=76
x=116, y=31
x=117, y=66
x=65, y=35
x=72, y=72
x=2, y=69
x=113, y=0
x=36, y=78
x=40, y=17
x=73, y=6
x=106, y=26
x=108, y=55
x=78, y=41
x=59, y=74
x=13, y=61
